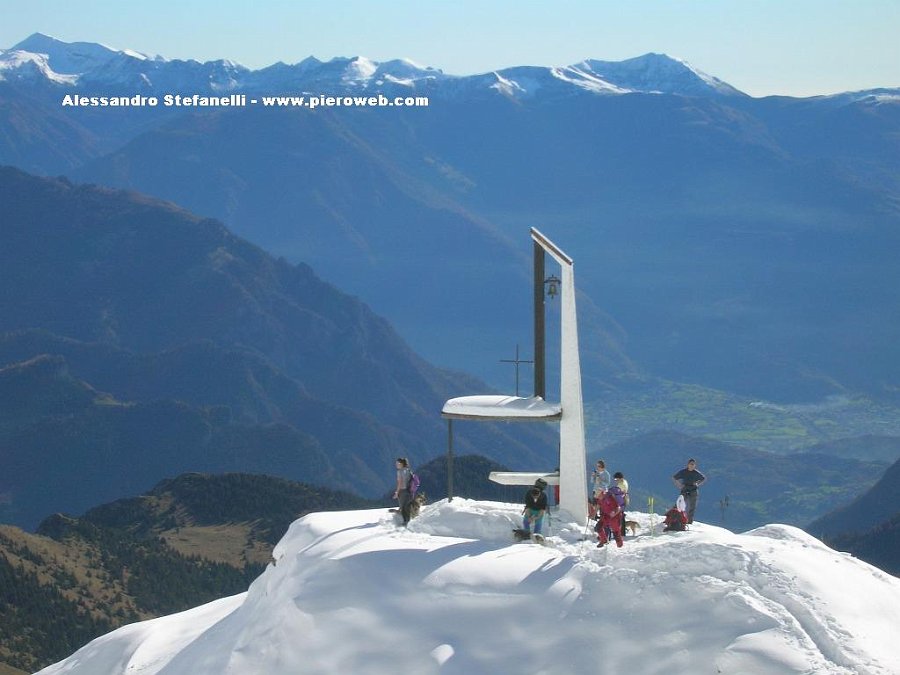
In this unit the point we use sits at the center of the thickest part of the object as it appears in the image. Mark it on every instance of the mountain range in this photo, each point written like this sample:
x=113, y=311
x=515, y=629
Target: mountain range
x=737, y=243
x=41, y=57
x=138, y=341
x=729, y=244
x=722, y=241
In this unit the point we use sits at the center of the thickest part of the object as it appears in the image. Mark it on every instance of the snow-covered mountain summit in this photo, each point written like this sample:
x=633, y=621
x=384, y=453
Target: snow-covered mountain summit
x=89, y=65
x=74, y=58
x=658, y=73
x=350, y=592
x=93, y=67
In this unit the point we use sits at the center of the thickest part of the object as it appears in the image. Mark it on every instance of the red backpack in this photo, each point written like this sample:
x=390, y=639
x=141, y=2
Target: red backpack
x=675, y=520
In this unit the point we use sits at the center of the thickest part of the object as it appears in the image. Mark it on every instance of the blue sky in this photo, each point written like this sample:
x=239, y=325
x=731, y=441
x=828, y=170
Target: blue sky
x=793, y=47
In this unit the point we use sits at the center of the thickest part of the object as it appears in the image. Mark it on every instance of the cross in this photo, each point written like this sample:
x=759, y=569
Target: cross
x=517, y=361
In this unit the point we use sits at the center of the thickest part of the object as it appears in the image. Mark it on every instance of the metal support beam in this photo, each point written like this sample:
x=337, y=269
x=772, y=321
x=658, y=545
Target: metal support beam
x=540, y=351
x=449, y=460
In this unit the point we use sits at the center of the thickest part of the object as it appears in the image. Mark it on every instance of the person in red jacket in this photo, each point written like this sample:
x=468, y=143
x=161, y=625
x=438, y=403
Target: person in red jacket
x=610, y=517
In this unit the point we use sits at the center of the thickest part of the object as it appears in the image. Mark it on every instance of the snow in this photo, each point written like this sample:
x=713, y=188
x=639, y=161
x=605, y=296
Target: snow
x=492, y=406
x=16, y=64
x=359, y=70
x=589, y=82
x=74, y=58
x=509, y=87
x=657, y=73
x=352, y=592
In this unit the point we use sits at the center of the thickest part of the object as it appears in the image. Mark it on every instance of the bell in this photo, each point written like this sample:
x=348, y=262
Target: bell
x=552, y=287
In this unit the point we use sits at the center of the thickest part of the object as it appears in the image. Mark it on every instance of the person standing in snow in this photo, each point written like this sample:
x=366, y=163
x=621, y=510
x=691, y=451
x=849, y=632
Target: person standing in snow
x=610, y=519
x=535, y=507
x=401, y=494
x=600, y=481
x=622, y=484
x=689, y=480
x=620, y=481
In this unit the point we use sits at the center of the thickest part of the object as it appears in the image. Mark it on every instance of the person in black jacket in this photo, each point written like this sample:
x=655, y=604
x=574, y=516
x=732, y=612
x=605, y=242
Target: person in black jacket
x=688, y=480
x=535, y=507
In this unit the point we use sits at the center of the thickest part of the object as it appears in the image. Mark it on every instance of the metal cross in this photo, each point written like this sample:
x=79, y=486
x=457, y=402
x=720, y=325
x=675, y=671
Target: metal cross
x=517, y=361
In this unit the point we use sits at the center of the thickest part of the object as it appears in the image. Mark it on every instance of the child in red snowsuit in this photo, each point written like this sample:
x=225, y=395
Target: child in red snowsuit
x=610, y=517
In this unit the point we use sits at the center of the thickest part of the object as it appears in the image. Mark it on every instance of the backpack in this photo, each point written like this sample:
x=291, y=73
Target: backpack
x=413, y=484
x=616, y=492
x=674, y=520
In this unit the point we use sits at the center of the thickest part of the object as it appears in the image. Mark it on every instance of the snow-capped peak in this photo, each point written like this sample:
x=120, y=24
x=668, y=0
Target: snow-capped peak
x=73, y=58
x=657, y=73
x=352, y=592
x=405, y=71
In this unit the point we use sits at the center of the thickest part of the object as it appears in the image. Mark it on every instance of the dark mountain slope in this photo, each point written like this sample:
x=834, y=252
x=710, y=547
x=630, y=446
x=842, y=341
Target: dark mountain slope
x=36, y=135
x=868, y=527
x=873, y=506
x=358, y=196
x=155, y=306
x=65, y=445
x=879, y=545
x=187, y=541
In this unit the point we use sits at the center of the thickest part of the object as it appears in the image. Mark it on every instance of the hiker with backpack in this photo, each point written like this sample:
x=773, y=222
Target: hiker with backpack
x=535, y=507
x=610, y=519
x=402, y=493
x=688, y=480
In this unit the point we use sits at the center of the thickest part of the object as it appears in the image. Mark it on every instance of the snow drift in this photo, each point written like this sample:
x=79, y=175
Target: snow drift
x=352, y=592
